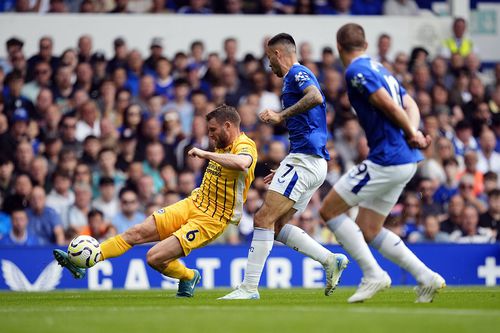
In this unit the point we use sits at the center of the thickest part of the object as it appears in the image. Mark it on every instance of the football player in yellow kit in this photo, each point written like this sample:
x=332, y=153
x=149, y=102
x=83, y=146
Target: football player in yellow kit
x=199, y=219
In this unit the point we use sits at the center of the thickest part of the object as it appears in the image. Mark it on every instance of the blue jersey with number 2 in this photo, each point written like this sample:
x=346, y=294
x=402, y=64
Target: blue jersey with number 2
x=387, y=142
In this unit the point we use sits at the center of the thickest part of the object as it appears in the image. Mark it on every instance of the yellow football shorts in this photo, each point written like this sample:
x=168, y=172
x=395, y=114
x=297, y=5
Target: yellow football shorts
x=189, y=224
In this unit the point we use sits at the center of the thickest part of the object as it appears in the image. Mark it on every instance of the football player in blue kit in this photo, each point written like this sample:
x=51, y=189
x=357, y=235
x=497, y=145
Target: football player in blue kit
x=299, y=175
x=390, y=119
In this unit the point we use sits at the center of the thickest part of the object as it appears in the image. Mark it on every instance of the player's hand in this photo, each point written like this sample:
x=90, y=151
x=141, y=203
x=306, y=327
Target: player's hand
x=270, y=117
x=268, y=179
x=419, y=140
x=196, y=152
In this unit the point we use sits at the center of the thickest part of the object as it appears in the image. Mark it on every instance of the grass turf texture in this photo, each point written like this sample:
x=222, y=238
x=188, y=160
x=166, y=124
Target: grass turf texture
x=293, y=310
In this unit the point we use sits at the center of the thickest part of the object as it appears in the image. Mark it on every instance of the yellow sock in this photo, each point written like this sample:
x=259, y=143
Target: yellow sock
x=177, y=270
x=114, y=247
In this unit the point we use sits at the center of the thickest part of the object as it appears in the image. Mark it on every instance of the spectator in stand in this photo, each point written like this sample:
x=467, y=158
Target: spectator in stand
x=187, y=183
x=463, y=139
x=430, y=232
x=164, y=80
x=146, y=192
x=181, y=104
x=39, y=172
x=471, y=233
x=61, y=197
x=42, y=79
x=6, y=176
x=12, y=45
x=45, y=54
x=488, y=158
x=195, y=7
x=426, y=190
x=491, y=218
x=120, y=7
x=119, y=59
x=400, y=7
x=17, y=133
x=98, y=227
x=75, y=219
x=470, y=162
x=19, y=235
x=156, y=49
x=490, y=181
x=107, y=201
x=68, y=134
x=127, y=147
x=85, y=48
x=13, y=100
x=155, y=154
x=440, y=72
x=43, y=221
x=466, y=191
x=454, y=220
x=24, y=157
x=383, y=48
x=89, y=123
x=134, y=71
x=448, y=189
x=458, y=43
x=62, y=87
x=129, y=214
x=107, y=168
x=91, y=149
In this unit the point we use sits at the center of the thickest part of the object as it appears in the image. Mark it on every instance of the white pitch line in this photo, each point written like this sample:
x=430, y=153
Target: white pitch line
x=353, y=309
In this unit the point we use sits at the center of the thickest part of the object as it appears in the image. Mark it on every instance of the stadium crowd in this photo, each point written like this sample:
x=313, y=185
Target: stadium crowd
x=90, y=145
x=207, y=7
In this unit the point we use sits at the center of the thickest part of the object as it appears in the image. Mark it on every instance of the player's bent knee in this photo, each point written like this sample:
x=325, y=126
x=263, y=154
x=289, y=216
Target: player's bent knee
x=154, y=259
x=262, y=220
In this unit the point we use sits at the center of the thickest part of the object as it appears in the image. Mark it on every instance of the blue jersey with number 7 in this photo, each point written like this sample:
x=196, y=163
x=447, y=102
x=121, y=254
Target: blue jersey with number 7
x=387, y=142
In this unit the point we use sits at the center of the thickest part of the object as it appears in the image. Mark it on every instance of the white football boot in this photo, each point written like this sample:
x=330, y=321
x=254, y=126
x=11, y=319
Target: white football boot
x=335, y=265
x=426, y=291
x=369, y=287
x=241, y=293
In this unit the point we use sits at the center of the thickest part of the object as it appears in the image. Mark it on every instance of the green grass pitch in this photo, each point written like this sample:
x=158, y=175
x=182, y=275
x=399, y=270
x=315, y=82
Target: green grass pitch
x=454, y=310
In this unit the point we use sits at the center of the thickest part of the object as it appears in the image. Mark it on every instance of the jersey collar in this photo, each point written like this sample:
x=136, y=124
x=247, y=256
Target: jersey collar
x=294, y=64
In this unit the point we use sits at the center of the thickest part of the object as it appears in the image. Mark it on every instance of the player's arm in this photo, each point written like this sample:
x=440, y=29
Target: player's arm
x=239, y=162
x=312, y=97
x=383, y=101
x=412, y=110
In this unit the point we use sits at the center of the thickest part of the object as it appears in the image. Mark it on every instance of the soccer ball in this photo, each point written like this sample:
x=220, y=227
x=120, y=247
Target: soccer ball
x=84, y=251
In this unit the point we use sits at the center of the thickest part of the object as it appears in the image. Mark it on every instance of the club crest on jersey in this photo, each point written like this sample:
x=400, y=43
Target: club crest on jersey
x=301, y=78
x=358, y=82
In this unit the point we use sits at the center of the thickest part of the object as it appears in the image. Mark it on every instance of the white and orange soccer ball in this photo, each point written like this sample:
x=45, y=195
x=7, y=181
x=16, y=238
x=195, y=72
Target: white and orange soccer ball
x=84, y=251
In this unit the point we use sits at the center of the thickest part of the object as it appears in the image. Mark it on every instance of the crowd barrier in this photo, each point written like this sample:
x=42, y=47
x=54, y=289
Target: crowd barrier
x=33, y=269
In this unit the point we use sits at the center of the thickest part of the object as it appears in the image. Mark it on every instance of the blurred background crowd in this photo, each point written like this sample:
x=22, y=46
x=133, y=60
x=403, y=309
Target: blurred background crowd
x=259, y=7
x=91, y=144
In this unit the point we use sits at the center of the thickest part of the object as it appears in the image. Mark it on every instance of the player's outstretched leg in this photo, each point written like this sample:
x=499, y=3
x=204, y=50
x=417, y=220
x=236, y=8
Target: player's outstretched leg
x=187, y=287
x=393, y=248
x=63, y=260
x=299, y=240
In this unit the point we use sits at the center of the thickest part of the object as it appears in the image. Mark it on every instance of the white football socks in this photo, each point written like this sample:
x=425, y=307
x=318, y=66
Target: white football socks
x=351, y=238
x=393, y=248
x=300, y=241
x=261, y=246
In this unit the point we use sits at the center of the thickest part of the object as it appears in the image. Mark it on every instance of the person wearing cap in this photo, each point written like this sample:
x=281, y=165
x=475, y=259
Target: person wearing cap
x=156, y=49
x=45, y=54
x=107, y=201
x=99, y=65
x=120, y=55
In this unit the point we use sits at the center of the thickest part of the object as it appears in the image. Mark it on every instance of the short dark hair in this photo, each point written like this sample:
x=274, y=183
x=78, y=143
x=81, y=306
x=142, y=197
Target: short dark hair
x=94, y=212
x=125, y=190
x=281, y=38
x=224, y=113
x=494, y=193
x=351, y=37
